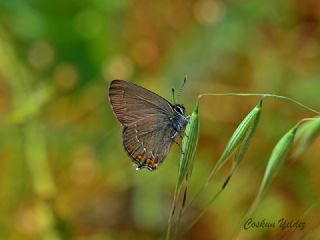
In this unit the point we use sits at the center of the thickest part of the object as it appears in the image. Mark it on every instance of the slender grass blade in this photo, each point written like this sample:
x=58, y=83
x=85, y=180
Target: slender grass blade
x=306, y=135
x=242, y=135
x=189, y=146
x=278, y=157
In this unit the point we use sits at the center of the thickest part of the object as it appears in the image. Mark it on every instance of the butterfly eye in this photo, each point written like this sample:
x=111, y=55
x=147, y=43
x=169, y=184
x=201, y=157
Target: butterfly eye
x=179, y=109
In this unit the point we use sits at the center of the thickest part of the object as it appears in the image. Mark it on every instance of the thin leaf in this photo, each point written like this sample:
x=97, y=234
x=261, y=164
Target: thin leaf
x=242, y=134
x=248, y=136
x=242, y=149
x=278, y=157
x=306, y=135
x=189, y=146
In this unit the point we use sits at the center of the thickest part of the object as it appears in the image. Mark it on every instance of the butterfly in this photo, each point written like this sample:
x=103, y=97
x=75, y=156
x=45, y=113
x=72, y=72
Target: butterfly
x=150, y=123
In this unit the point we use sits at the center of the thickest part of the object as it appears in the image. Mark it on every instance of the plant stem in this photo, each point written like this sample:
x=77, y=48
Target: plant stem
x=173, y=207
x=259, y=95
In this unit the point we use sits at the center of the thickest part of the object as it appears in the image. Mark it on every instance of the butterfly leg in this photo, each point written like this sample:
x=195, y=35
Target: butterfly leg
x=181, y=136
x=175, y=135
x=179, y=146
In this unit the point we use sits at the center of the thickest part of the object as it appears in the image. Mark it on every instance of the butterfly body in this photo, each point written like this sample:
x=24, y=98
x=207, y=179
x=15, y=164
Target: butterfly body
x=150, y=123
x=179, y=121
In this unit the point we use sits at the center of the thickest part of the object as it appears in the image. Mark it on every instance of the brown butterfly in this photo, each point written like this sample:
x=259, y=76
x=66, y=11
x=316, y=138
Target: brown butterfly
x=150, y=123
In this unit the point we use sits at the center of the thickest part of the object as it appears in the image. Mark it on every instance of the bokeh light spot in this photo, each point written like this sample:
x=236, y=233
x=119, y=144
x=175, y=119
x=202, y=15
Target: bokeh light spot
x=66, y=77
x=26, y=221
x=206, y=11
x=119, y=67
x=145, y=52
x=83, y=166
x=41, y=55
x=88, y=24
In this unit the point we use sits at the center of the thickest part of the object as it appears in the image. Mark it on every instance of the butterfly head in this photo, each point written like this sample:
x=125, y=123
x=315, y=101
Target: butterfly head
x=179, y=108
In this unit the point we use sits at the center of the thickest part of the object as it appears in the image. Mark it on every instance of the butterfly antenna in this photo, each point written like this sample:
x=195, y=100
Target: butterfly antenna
x=182, y=85
x=174, y=100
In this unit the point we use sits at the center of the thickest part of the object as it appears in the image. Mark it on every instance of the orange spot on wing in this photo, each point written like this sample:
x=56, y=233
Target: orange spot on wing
x=154, y=165
x=151, y=163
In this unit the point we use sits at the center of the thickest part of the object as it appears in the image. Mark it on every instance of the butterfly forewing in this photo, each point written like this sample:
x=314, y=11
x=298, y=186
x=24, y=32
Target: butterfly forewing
x=131, y=102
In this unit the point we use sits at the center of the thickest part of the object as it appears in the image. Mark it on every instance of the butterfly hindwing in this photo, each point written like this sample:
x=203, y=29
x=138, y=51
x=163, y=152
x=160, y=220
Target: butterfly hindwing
x=148, y=141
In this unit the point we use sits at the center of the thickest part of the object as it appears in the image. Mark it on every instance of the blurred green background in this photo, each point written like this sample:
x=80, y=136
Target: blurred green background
x=64, y=174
